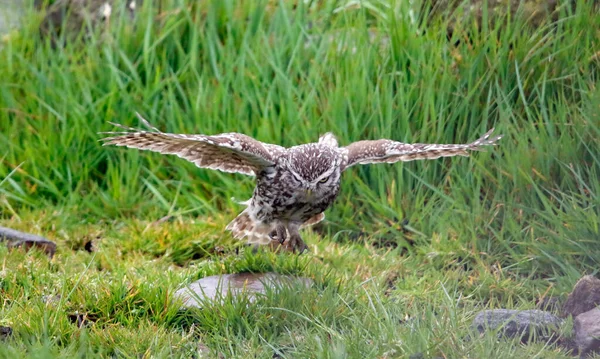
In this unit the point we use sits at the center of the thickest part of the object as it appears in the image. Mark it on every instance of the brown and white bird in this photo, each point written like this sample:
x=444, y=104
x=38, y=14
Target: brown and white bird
x=295, y=185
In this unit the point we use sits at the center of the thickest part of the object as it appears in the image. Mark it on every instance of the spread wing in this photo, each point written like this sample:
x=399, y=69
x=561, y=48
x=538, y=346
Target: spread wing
x=388, y=151
x=227, y=152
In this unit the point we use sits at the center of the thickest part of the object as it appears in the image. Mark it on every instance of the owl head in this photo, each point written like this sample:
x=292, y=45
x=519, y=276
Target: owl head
x=315, y=167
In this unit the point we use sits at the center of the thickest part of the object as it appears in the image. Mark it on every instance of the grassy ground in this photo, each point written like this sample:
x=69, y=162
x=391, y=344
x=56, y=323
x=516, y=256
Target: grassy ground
x=409, y=253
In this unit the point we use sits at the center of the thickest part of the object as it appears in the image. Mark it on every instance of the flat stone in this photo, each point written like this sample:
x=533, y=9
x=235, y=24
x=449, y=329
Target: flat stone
x=584, y=297
x=587, y=332
x=518, y=323
x=26, y=240
x=216, y=288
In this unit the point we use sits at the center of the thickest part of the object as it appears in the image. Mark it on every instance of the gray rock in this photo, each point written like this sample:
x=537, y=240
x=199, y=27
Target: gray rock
x=587, y=332
x=20, y=239
x=5, y=332
x=519, y=323
x=584, y=297
x=534, y=12
x=11, y=12
x=216, y=288
x=421, y=356
x=71, y=16
x=51, y=299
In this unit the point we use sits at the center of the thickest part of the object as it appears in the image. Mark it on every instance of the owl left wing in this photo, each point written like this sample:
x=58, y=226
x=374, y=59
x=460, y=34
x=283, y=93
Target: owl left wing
x=388, y=151
x=227, y=152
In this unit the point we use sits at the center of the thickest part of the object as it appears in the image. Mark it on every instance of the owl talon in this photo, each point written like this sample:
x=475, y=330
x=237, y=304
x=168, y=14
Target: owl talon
x=281, y=234
x=302, y=247
x=278, y=234
x=296, y=244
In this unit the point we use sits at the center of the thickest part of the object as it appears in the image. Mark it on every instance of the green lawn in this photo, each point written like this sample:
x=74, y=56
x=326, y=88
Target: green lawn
x=406, y=257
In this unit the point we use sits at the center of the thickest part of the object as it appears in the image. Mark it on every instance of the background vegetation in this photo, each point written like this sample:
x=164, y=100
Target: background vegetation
x=407, y=255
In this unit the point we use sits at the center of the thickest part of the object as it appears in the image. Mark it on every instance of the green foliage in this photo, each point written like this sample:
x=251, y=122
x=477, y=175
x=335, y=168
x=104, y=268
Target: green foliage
x=429, y=241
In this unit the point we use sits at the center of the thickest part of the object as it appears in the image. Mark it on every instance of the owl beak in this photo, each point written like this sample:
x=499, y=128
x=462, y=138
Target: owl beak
x=309, y=193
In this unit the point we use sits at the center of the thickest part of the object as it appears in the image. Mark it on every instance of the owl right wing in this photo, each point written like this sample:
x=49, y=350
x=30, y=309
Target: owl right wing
x=388, y=151
x=227, y=152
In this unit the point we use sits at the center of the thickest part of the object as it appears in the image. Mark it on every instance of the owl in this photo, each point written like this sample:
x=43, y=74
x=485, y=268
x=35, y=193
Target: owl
x=294, y=185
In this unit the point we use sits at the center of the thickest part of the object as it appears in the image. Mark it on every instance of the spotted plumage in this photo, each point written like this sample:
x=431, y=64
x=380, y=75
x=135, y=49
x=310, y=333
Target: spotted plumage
x=295, y=185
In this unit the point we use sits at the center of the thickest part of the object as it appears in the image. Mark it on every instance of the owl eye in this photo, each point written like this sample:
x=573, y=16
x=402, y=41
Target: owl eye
x=323, y=180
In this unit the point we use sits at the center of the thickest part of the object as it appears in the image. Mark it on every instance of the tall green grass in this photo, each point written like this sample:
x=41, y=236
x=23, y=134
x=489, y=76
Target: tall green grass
x=285, y=74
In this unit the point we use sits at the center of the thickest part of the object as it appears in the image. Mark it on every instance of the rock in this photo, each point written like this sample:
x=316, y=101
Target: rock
x=421, y=356
x=11, y=12
x=584, y=297
x=203, y=351
x=587, y=332
x=534, y=12
x=5, y=332
x=567, y=345
x=518, y=323
x=51, y=299
x=219, y=286
x=71, y=16
x=26, y=240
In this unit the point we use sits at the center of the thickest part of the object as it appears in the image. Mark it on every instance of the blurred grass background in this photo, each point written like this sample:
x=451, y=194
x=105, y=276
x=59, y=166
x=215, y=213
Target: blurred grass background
x=285, y=72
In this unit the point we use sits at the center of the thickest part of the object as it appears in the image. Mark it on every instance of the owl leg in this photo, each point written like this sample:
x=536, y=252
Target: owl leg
x=295, y=242
x=279, y=233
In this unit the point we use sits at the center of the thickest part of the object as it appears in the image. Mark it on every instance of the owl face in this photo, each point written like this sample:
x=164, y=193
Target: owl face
x=314, y=169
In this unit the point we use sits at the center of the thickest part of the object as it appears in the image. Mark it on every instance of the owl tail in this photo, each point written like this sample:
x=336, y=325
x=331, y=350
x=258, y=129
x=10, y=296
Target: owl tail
x=243, y=226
